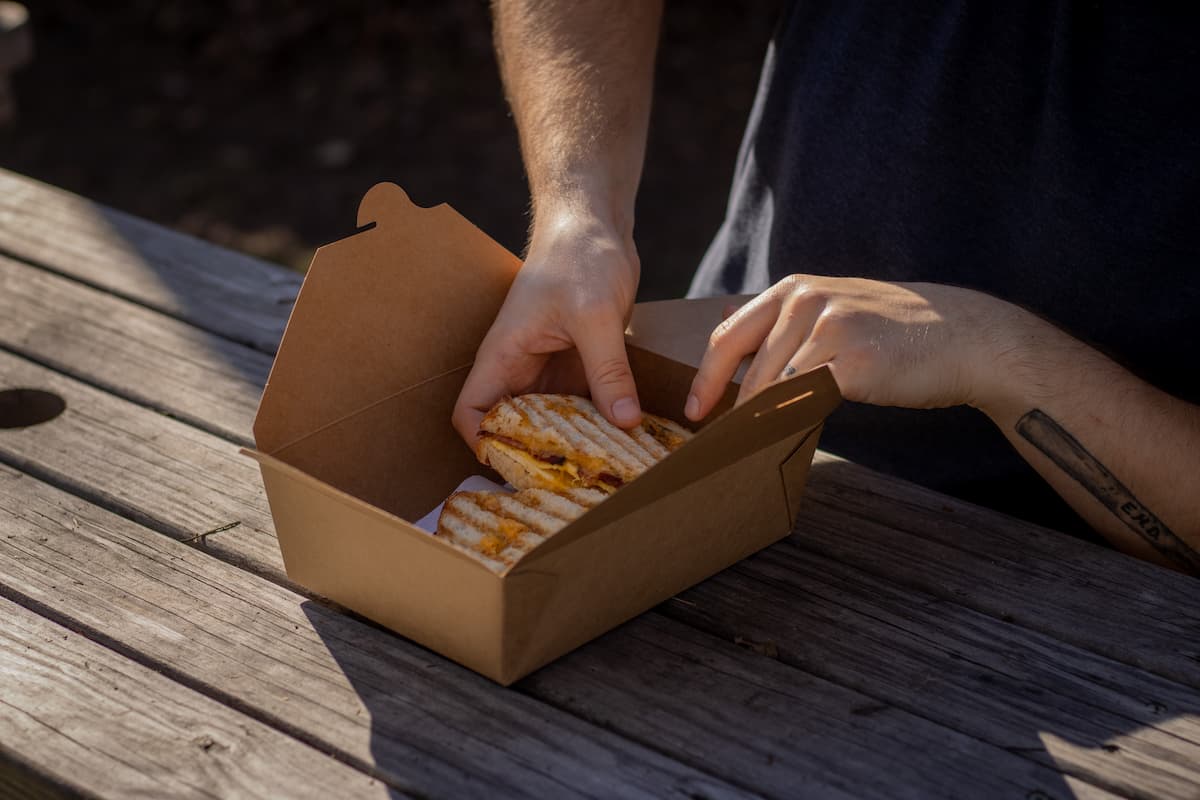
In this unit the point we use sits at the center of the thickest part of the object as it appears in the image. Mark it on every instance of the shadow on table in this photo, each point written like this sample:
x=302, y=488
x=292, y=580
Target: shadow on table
x=399, y=704
x=875, y=714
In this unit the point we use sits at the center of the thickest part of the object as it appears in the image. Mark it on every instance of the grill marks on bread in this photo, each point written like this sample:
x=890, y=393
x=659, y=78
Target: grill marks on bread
x=498, y=528
x=570, y=436
x=564, y=457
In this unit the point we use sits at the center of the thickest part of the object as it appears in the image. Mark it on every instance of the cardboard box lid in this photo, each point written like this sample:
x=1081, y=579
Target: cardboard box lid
x=341, y=330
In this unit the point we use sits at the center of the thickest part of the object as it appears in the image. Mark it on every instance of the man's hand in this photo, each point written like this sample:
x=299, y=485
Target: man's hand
x=578, y=77
x=1124, y=454
x=912, y=345
x=562, y=326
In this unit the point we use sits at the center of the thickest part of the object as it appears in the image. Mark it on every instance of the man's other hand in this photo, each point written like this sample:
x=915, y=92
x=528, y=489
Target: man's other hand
x=912, y=345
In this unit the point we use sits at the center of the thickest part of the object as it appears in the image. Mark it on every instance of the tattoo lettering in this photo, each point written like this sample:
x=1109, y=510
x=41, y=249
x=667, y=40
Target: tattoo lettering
x=1070, y=456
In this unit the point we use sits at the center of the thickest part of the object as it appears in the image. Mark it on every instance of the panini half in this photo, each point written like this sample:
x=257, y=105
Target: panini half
x=562, y=442
x=498, y=528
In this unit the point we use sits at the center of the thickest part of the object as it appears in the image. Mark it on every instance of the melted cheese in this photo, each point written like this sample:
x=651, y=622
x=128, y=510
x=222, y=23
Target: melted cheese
x=565, y=475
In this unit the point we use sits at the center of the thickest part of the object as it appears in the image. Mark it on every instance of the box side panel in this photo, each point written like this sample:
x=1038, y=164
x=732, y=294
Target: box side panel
x=401, y=455
x=679, y=328
x=397, y=577
x=663, y=385
x=794, y=470
x=578, y=592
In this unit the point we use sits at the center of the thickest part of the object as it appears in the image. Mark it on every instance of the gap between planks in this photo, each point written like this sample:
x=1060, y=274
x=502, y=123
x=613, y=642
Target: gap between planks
x=133, y=352
x=82, y=712
x=232, y=295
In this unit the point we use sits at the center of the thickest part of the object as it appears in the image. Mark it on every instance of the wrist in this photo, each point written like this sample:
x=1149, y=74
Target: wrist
x=583, y=200
x=1016, y=358
x=588, y=238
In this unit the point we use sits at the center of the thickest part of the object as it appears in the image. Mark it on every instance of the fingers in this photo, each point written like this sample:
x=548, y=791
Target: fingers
x=601, y=346
x=466, y=421
x=810, y=355
x=791, y=330
x=736, y=301
x=483, y=389
x=734, y=339
x=494, y=376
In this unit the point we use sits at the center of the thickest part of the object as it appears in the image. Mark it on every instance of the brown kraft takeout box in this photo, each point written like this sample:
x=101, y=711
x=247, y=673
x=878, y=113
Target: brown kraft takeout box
x=355, y=442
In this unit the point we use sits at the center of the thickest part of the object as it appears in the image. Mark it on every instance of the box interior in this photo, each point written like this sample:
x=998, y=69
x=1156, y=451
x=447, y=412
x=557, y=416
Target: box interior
x=402, y=454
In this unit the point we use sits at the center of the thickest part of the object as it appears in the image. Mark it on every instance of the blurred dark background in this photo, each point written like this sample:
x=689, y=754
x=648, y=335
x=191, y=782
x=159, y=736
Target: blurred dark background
x=258, y=124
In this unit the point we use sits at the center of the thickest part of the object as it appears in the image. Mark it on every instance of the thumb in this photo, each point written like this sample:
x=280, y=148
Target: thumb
x=602, y=351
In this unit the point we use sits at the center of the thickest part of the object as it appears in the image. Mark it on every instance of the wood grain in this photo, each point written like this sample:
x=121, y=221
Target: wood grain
x=238, y=297
x=432, y=727
x=419, y=722
x=132, y=351
x=113, y=728
x=171, y=476
x=777, y=729
x=1113, y=725
x=1090, y=596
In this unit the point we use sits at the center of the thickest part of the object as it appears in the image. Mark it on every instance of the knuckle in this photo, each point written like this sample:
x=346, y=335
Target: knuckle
x=792, y=284
x=610, y=372
x=720, y=333
x=833, y=321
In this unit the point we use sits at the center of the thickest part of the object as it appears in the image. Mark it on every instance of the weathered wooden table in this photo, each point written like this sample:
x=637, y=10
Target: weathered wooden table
x=899, y=644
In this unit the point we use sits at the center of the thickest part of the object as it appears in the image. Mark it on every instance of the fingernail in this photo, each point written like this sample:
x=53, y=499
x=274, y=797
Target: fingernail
x=625, y=411
x=692, y=409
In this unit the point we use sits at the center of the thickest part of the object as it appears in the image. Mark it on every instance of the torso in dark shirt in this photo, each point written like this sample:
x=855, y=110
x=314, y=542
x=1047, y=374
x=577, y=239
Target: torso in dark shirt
x=1047, y=153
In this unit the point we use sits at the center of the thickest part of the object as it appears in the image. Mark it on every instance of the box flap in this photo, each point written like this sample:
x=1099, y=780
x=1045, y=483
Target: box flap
x=404, y=301
x=793, y=406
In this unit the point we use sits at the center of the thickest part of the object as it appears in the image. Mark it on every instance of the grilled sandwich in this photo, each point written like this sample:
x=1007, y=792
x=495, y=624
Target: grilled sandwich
x=498, y=528
x=563, y=457
x=561, y=442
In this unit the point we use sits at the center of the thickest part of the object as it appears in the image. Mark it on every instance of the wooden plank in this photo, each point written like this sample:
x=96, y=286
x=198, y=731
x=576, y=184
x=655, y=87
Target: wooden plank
x=163, y=473
x=130, y=350
x=233, y=295
x=1090, y=596
x=103, y=724
x=767, y=727
x=417, y=721
x=780, y=730
x=1102, y=721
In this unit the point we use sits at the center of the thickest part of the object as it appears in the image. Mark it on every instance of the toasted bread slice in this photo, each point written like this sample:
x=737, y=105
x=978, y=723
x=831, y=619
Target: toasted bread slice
x=498, y=528
x=562, y=442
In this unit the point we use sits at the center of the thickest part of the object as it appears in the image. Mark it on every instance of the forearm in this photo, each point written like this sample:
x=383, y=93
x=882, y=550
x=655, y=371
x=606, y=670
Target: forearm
x=1125, y=455
x=578, y=75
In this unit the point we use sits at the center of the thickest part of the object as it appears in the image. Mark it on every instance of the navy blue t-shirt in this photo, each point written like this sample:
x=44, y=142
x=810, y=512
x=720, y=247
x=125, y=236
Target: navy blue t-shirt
x=1047, y=153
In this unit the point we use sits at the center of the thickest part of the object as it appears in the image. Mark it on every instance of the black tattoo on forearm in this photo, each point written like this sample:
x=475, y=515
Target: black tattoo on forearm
x=1065, y=451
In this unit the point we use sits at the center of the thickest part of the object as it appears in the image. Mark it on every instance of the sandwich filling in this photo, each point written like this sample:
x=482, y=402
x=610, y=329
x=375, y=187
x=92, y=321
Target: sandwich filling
x=553, y=467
